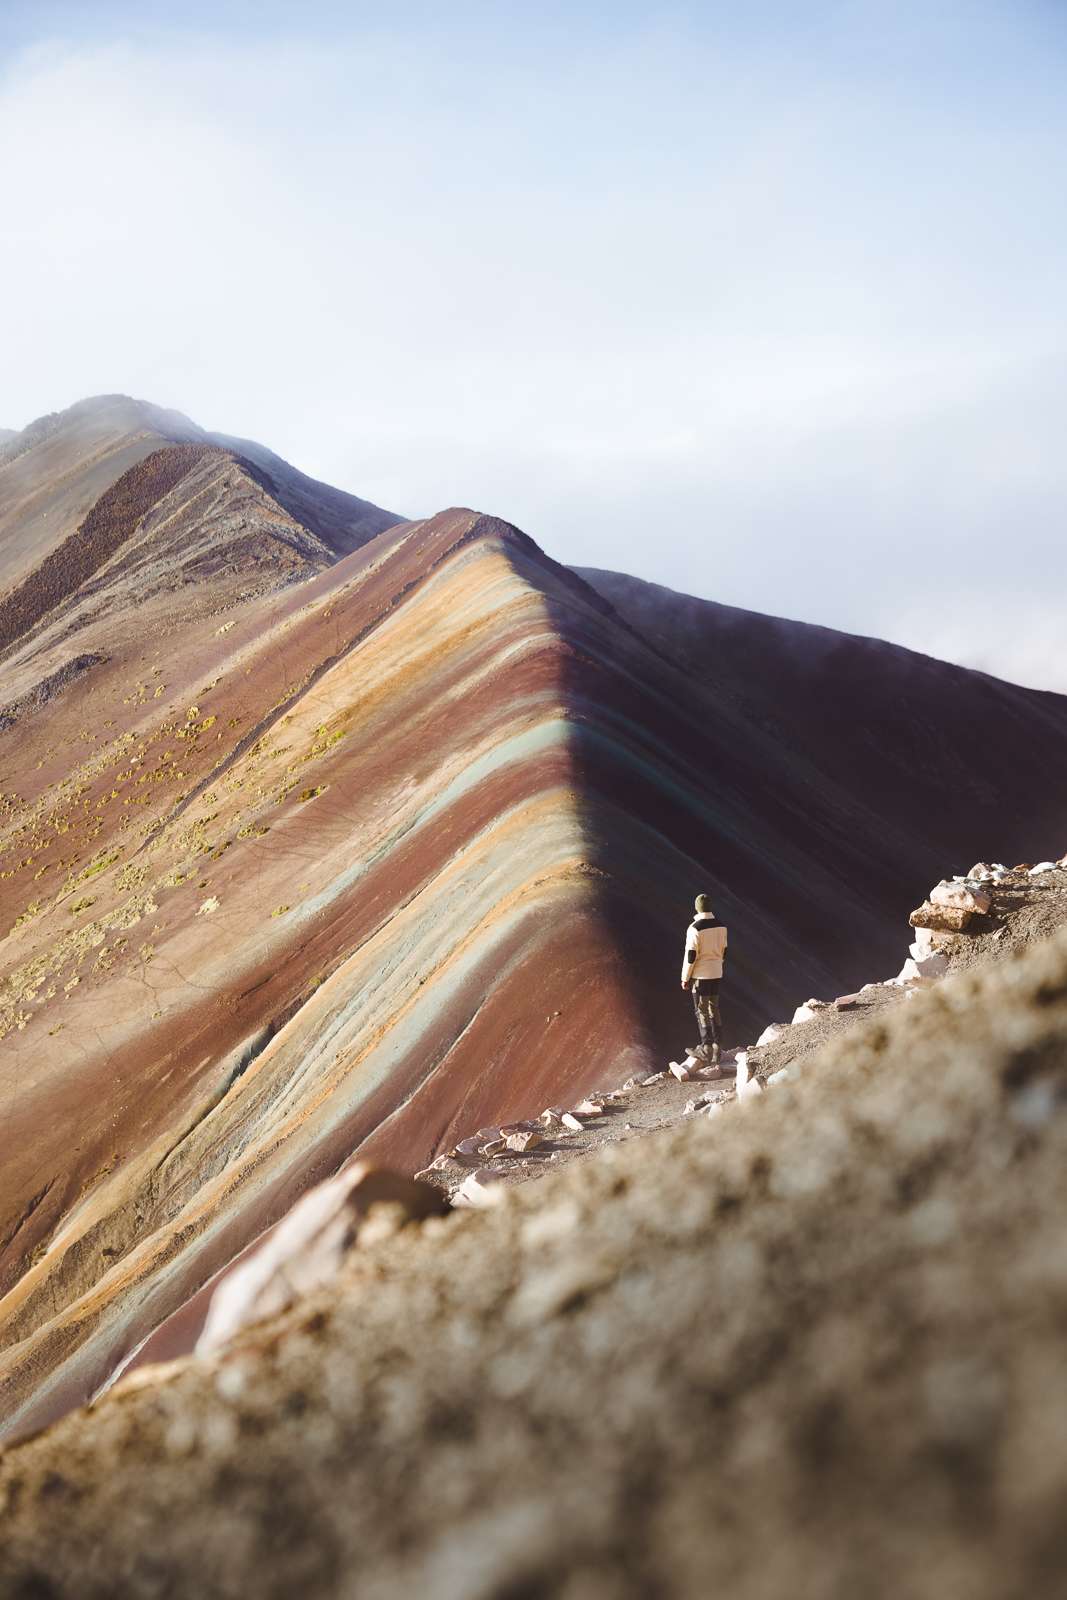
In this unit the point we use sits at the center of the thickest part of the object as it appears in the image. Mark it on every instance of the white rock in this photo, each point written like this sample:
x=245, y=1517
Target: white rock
x=480, y=1189
x=1043, y=866
x=676, y=1070
x=931, y=966
x=588, y=1108
x=653, y=1078
x=742, y=1071
x=749, y=1091
x=780, y=1076
x=569, y=1120
x=807, y=1012
x=770, y=1034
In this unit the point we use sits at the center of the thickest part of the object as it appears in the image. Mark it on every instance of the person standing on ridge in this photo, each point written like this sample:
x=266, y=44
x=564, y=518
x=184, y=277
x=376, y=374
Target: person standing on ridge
x=705, y=947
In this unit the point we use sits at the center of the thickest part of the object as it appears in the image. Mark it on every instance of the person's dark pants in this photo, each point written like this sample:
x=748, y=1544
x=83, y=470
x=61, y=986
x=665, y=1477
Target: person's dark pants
x=706, y=1006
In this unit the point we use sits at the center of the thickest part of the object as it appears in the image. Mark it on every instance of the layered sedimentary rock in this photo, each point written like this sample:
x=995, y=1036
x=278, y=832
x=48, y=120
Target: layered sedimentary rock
x=308, y=852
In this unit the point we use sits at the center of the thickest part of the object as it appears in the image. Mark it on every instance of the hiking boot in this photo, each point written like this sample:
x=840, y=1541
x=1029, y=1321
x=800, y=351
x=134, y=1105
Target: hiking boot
x=697, y=1051
x=715, y=1055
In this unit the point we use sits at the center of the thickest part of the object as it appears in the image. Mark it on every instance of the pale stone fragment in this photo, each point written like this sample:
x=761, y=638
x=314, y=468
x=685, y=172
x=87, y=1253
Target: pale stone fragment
x=522, y=1142
x=307, y=1247
x=771, y=1033
x=479, y=1189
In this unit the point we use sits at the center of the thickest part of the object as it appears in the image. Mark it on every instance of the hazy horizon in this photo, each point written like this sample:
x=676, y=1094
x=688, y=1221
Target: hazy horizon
x=765, y=309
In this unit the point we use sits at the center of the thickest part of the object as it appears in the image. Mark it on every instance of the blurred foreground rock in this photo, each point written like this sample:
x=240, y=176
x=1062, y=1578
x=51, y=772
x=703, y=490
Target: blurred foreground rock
x=814, y=1347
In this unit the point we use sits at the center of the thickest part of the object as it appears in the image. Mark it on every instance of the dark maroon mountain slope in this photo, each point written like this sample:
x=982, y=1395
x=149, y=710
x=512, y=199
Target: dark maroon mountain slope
x=893, y=756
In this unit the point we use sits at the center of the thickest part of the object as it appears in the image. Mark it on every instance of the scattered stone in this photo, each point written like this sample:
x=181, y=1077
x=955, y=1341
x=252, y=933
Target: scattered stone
x=494, y=1147
x=770, y=1034
x=468, y=1150
x=676, y=1070
x=487, y=1133
x=780, y=1076
x=569, y=1120
x=522, y=1142
x=962, y=897
x=846, y=1002
x=308, y=1246
x=479, y=1189
x=653, y=1078
x=742, y=1071
x=632, y=1083
x=551, y=1117
x=1043, y=866
x=588, y=1108
x=751, y=1090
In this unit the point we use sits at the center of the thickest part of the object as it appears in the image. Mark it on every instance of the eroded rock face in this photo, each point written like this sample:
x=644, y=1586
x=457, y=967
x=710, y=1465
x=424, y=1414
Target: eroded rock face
x=839, y=1312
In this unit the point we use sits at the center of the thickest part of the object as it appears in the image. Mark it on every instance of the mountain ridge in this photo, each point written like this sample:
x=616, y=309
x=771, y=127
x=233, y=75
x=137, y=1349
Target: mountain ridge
x=316, y=854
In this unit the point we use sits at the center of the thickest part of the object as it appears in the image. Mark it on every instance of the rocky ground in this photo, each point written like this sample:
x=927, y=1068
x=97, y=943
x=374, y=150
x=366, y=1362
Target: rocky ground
x=813, y=1345
x=1026, y=906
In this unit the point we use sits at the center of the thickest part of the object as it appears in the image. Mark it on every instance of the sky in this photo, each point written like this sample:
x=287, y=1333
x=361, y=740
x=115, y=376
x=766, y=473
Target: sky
x=767, y=303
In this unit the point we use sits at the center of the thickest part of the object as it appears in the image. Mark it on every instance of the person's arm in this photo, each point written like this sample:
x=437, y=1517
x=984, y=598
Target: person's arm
x=689, y=956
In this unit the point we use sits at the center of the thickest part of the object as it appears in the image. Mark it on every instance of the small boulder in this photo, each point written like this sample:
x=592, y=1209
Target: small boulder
x=468, y=1150
x=781, y=1076
x=551, y=1117
x=588, y=1108
x=522, y=1142
x=846, y=1002
x=494, y=1147
x=676, y=1070
x=941, y=918
x=569, y=1120
x=962, y=897
x=771, y=1033
x=653, y=1078
x=749, y=1091
x=1043, y=866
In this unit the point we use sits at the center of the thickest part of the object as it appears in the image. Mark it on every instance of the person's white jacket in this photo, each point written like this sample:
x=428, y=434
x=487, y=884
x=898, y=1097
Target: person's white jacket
x=705, y=946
